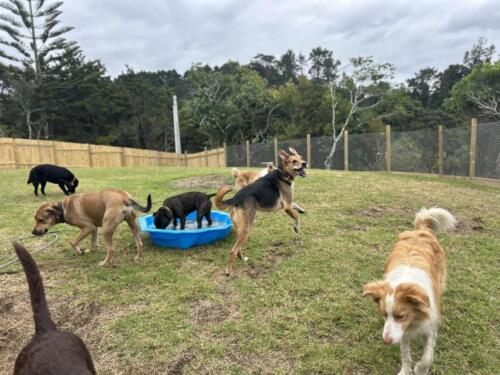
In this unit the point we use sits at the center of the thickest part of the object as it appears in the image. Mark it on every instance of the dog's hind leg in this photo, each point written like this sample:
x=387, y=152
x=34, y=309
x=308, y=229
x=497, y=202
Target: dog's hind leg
x=244, y=225
x=138, y=242
x=110, y=222
x=209, y=219
x=95, y=238
x=84, y=232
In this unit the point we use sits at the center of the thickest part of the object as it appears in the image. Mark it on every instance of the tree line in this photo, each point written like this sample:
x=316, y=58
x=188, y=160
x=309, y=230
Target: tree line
x=50, y=90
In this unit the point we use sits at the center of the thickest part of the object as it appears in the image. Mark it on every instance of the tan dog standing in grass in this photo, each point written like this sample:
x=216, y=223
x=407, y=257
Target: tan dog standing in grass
x=270, y=193
x=409, y=297
x=89, y=211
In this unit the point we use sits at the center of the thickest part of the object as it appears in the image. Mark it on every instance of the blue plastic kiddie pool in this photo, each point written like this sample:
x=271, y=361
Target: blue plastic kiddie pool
x=191, y=235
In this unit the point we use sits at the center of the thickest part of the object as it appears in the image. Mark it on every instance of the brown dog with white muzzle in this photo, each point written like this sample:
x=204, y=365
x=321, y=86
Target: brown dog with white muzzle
x=89, y=211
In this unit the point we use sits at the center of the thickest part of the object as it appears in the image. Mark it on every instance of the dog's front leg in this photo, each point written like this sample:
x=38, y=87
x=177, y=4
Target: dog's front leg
x=183, y=222
x=297, y=208
x=405, y=357
x=422, y=367
x=84, y=232
x=291, y=212
x=63, y=188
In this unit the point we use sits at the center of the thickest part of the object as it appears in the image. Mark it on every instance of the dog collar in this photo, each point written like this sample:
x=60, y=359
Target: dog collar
x=60, y=212
x=285, y=177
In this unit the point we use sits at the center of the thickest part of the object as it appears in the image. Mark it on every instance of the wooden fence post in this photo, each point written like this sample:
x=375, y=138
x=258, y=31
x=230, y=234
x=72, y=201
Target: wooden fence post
x=158, y=158
x=122, y=157
x=90, y=155
x=185, y=158
x=388, y=150
x=309, y=151
x=206, y=156
x=14, y=153
x=440, y=150
x=225, y=155
x=346, y=150
x=54, y=150
x=473, y=147
x=247, y=143
x=276, y=160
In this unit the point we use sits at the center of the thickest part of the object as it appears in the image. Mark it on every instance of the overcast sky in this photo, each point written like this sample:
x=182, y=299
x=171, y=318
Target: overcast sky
x=166, y=34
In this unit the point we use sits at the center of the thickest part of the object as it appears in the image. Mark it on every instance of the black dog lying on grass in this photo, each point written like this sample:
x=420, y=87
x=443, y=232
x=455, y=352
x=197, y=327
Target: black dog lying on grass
x=179, y=206
x=51, y=351
x=43, y=173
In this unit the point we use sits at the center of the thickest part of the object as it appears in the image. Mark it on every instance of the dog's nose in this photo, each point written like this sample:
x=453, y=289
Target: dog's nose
x=388, y=340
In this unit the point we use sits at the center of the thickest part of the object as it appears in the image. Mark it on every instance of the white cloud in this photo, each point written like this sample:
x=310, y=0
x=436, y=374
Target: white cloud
x=159, y=34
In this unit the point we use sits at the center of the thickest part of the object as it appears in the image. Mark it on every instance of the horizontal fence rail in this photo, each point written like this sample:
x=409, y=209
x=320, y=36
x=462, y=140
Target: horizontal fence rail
x=26, y=153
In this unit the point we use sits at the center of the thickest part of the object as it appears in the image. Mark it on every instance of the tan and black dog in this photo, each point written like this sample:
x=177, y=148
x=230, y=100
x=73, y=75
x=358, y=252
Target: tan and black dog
x=89, y=211
x=271, y=192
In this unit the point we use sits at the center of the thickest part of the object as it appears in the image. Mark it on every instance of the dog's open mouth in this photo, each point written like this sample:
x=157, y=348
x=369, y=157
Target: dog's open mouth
x=301, y=172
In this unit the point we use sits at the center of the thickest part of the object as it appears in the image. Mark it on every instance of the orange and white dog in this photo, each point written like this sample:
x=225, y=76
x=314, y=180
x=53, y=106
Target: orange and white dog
x=244, y=178
x=409, y=297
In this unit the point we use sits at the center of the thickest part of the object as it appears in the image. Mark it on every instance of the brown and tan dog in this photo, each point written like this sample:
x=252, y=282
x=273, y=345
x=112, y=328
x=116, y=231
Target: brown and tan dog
x=244, y=178
x=271, y=192
x=89, y=211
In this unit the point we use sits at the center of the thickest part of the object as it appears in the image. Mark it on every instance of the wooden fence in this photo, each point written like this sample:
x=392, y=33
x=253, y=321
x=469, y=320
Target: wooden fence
x=26, y=153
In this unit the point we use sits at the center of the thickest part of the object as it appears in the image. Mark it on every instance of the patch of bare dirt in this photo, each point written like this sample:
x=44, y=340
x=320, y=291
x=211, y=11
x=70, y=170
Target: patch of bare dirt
x=375, y=212
x=273, y=258
x=177, y=367
x=469, y=226
x=210, y=182
x=208, y=312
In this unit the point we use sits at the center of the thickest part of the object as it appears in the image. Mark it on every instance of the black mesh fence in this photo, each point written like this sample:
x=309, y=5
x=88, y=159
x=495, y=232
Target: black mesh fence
x=456, y=147
x=415, y=151
x=488, y=150
x=261, y=153
x=367, y=152
x=236, y=156
x=320, y=149
x=412, y=151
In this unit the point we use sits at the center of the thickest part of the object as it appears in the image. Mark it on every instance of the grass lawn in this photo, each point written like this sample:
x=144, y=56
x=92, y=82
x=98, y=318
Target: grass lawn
x=295, y=307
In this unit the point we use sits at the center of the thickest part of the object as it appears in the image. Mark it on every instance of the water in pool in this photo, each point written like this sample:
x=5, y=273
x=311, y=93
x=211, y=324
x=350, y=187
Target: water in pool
x=192, y=224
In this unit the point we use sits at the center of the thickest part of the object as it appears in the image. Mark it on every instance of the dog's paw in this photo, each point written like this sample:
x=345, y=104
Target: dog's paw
x=245, y=259
x=296, y=227
x=137, y=258
x=104, y=263
x=405, y=372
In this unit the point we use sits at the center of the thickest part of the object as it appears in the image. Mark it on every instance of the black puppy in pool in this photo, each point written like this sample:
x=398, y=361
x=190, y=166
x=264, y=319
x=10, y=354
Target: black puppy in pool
x=179, y=206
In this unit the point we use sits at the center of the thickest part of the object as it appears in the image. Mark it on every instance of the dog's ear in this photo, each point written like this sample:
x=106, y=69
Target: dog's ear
x=375, y=289
x=413, y=295
x=283, y=155
x=292, y=151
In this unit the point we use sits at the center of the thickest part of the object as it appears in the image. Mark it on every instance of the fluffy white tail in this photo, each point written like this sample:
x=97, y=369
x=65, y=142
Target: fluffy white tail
x=436, y=219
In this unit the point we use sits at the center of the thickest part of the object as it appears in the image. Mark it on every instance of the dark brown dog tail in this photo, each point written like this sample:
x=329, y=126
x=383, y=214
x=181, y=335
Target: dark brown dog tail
x=221, y=205
x=138, y=207
x=211, y=195
x=41, y=313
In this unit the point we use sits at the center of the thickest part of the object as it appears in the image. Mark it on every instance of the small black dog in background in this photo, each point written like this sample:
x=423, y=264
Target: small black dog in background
x=179, y=206
x=43, y=173
x=50, y=351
